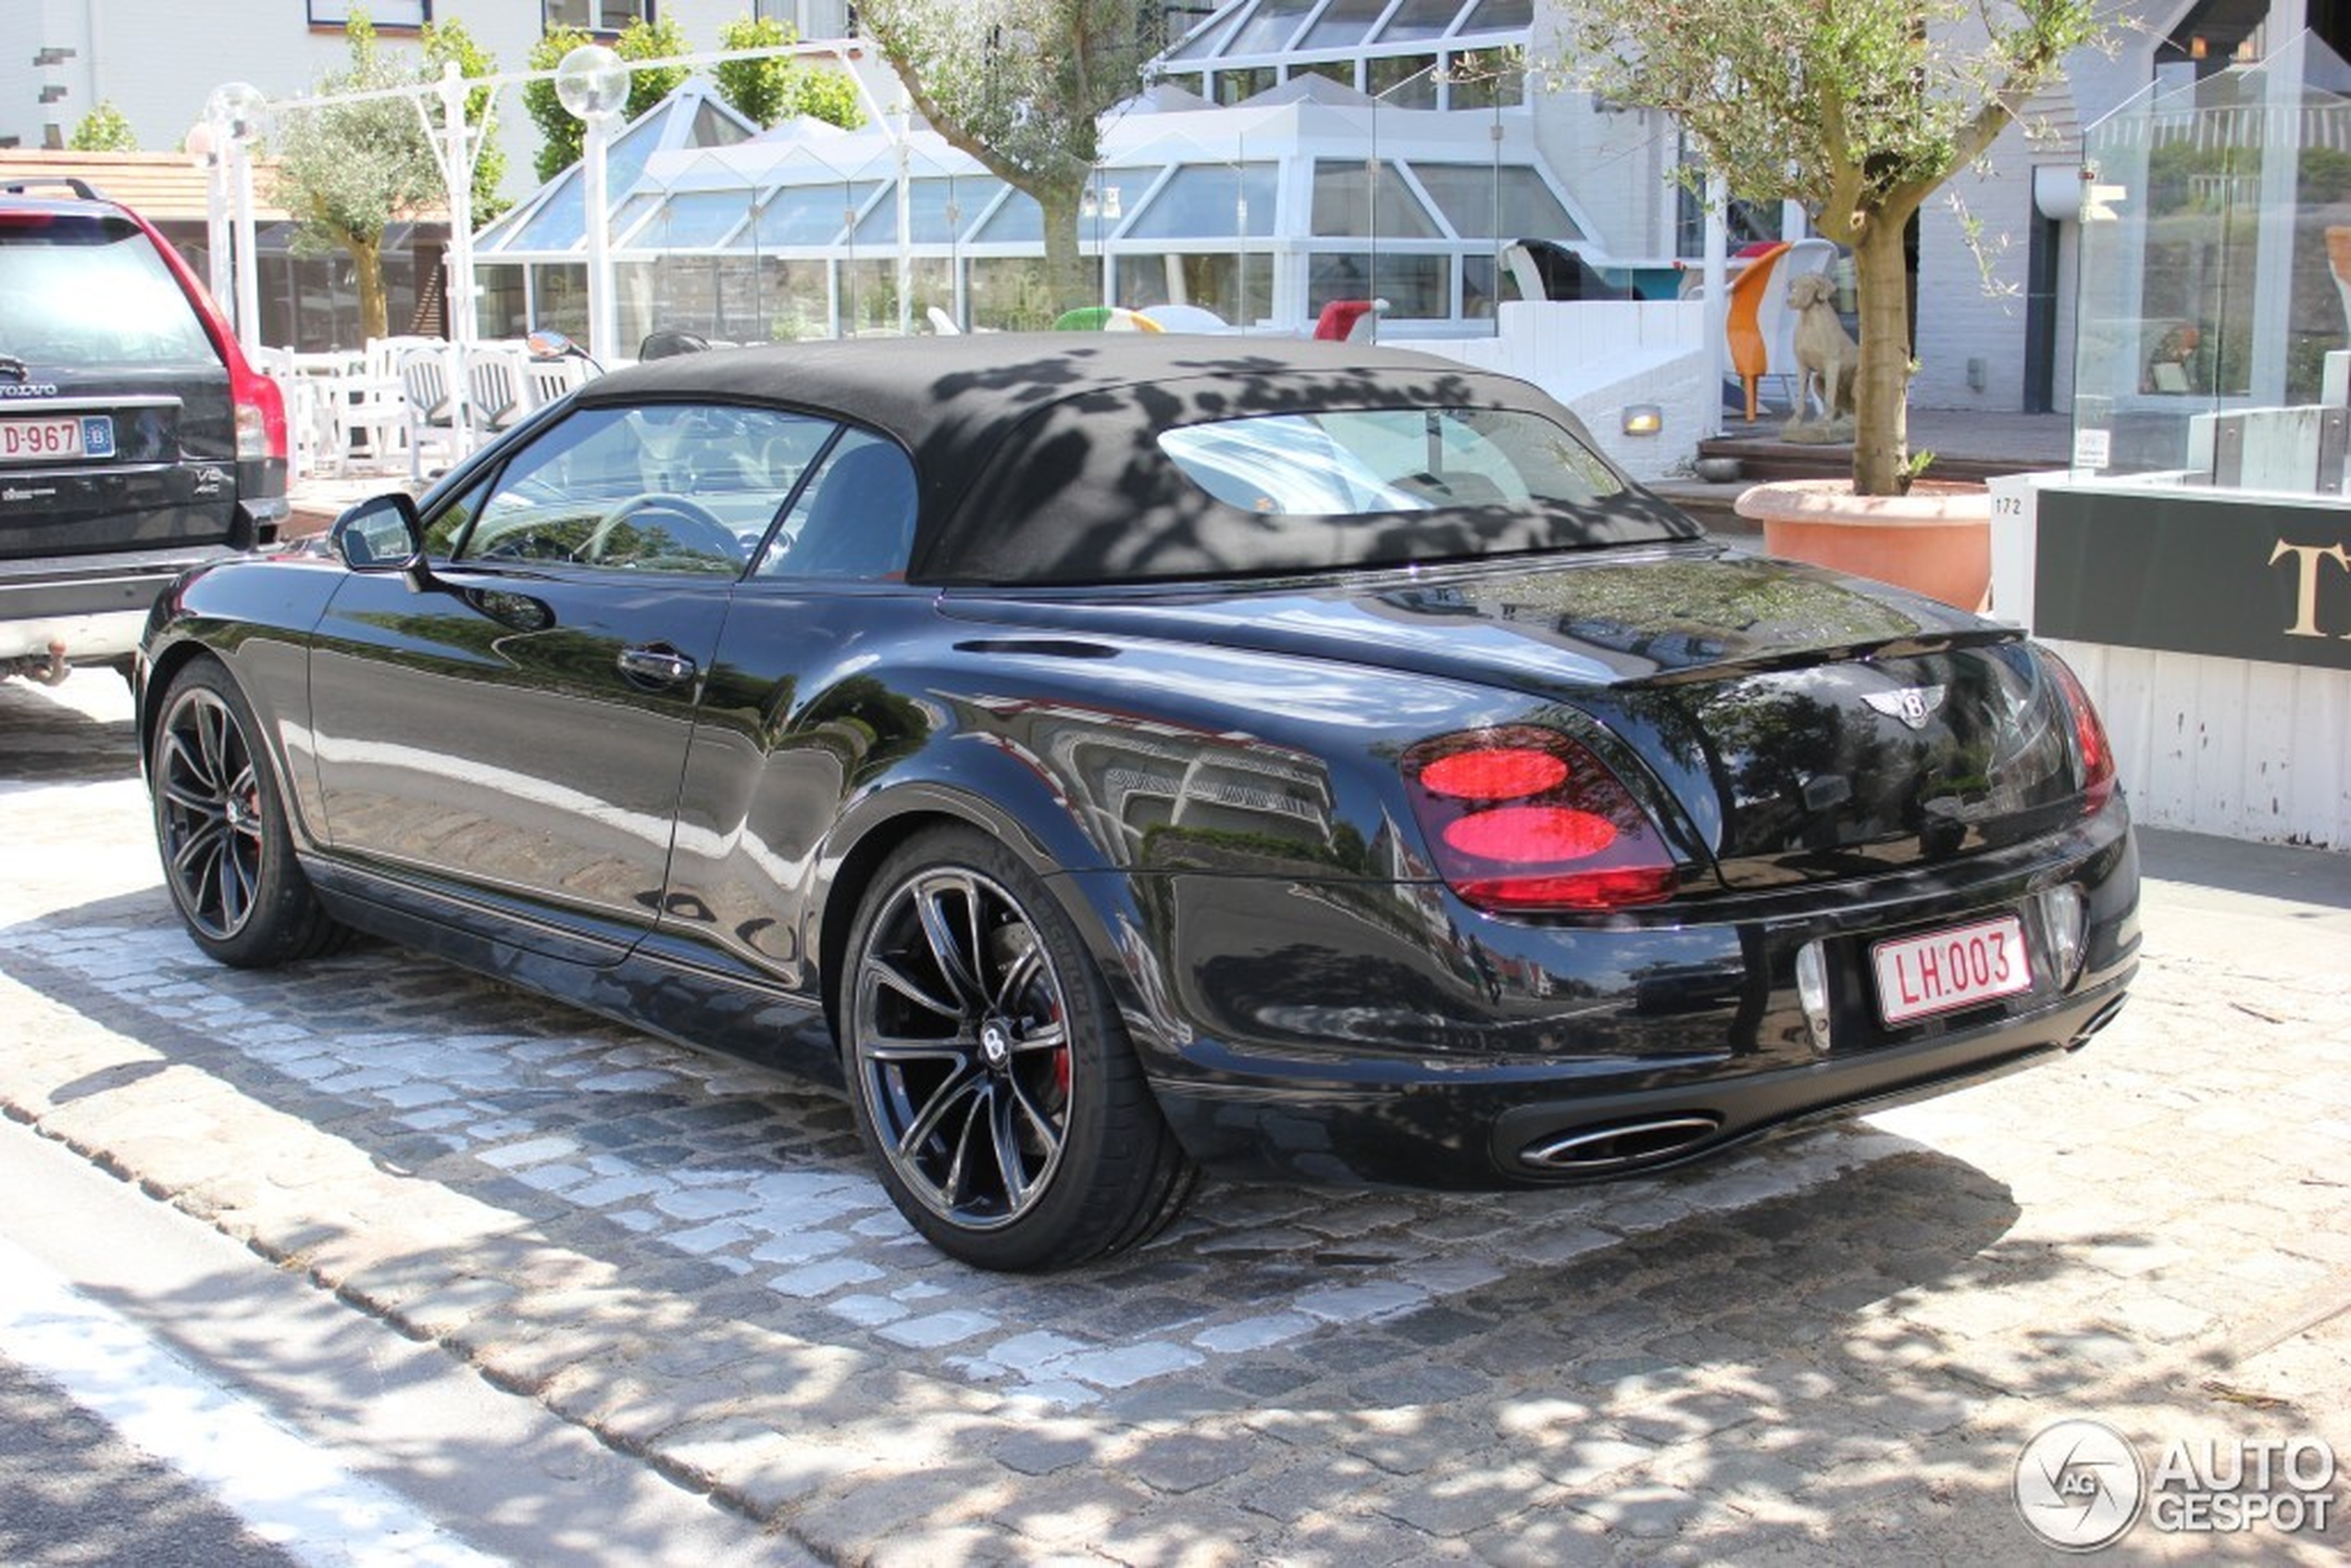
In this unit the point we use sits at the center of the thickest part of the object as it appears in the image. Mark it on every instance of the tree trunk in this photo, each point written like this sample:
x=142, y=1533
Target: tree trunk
x=1881, y=418
x=1070, y=282
x=375, y=309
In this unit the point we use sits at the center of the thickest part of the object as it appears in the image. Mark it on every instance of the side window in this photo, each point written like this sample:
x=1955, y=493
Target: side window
x=661, y=487
x=856, y=521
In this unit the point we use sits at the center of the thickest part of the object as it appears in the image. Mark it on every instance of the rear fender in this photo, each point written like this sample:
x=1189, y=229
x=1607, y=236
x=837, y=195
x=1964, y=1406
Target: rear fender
x=980, y=786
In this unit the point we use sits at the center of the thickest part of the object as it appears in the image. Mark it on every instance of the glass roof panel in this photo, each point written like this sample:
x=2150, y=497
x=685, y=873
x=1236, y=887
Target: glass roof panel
x=1467, y=195
x=1500, y=16
x=1270, y=27
x=694, y=219
x=809, y=215
x=1020, y=221
x=632, y=209
x=1343, y=205
x=1211, y=43
x=927, y=201
x=1346, y=21
x=560, y=225
x=1420, y=18
x=1210, y=202
x=713, y=129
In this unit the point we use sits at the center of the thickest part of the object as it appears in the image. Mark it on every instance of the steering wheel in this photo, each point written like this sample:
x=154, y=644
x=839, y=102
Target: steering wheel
x=703, y=533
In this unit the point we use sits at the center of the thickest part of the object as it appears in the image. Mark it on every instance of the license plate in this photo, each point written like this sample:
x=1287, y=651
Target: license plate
x=1941, y=971
x=58, y=440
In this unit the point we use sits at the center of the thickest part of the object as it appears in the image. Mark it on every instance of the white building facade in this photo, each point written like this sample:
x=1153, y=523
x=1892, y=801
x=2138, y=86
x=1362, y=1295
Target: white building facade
x=158, y=60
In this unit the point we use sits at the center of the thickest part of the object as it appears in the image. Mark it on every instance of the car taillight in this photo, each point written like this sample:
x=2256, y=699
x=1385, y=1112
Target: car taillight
x=2092, y=751
x=1526, y=819
x=261, y=412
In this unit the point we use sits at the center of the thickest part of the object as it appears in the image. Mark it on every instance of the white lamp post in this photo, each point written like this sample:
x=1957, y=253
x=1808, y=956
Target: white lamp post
x=593, y=84
x=236, y=112
x=203, y=151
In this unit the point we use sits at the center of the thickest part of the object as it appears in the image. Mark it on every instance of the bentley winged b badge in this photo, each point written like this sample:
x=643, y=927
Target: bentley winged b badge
x=1913, y=705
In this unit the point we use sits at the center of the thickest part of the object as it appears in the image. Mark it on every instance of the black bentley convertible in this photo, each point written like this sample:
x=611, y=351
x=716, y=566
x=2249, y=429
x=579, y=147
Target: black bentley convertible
x=1115, y=755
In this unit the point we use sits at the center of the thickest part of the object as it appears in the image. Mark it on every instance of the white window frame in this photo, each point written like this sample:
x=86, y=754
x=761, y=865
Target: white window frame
x=388, y=16
x=549, y=20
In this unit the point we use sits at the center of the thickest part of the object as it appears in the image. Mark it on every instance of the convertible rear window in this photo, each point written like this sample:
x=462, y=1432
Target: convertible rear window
x=1357, y=462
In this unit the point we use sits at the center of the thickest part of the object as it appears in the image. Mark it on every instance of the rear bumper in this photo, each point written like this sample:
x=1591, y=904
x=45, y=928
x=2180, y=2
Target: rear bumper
x=1484, y=1054
x=95, y=606
x=1436, y=1129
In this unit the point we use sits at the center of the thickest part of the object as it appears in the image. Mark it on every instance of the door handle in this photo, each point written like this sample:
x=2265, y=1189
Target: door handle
x=656, y=665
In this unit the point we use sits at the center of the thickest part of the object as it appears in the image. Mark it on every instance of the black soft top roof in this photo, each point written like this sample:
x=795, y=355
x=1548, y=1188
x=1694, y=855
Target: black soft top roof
x=1038, y=452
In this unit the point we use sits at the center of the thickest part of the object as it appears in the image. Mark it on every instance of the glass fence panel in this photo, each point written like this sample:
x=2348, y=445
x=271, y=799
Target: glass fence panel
x=2216, y=280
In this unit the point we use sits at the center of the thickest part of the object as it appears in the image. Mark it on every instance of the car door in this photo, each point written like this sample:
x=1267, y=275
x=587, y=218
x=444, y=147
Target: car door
x=798, y=706
x=513, y=733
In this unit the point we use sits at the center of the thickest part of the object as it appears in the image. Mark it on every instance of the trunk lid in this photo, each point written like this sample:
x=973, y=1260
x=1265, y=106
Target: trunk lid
x=1810, y=727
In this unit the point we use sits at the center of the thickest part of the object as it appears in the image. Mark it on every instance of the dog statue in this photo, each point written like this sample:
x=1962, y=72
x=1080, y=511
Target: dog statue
x=1825, y=354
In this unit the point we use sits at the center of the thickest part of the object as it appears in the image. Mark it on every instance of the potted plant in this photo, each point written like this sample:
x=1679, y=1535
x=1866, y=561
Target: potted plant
x=1860, y=109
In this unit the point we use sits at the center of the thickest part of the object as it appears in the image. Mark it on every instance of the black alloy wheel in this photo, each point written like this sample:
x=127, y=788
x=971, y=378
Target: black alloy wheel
x=991, y=1075
x=220, y=827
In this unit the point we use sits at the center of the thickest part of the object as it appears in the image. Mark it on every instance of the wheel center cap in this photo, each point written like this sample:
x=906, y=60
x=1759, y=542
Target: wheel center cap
x=996, y=1045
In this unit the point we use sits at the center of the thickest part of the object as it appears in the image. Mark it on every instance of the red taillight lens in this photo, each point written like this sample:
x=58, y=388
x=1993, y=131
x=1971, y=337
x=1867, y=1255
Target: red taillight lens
x=2091, y=749
x=1494, y=773
x=261, y=412
x=1526, y=819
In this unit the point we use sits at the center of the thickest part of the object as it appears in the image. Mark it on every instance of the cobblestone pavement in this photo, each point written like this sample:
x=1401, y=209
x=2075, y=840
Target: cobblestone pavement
x=1830, y=1349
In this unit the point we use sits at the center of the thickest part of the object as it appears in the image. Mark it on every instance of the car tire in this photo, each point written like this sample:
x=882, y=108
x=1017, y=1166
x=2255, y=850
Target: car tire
x=221, y=828
x=992, y=1077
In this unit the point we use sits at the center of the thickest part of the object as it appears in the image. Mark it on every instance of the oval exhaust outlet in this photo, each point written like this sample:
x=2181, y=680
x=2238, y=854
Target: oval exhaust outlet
x=1623, y=1145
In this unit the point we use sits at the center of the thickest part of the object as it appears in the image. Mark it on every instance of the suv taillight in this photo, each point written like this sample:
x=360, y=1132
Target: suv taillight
x=2092, y=751
x=261, y=412
x=1524, y=820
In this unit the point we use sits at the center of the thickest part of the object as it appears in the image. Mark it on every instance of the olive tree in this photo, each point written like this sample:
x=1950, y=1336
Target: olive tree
x=347, y=171
x=1860, y=109
x=1021, y=86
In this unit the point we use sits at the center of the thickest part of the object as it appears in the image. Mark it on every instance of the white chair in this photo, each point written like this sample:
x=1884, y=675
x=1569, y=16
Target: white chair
x=303, y=410
x=551, y=380
x=434, y=407
x=941, y=322
x=497, y=386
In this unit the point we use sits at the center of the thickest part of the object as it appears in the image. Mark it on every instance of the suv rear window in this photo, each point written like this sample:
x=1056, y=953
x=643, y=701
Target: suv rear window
x=90, y=291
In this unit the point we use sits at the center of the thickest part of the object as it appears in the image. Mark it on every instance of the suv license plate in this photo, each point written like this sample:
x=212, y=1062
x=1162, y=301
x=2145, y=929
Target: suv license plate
x=58, y=440
x=1942, y=971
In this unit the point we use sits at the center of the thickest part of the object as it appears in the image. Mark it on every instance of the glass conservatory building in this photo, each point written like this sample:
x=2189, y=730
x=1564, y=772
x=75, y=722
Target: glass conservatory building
x=1297, y=152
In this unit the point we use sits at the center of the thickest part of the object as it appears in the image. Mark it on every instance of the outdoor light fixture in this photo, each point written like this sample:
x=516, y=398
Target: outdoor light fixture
x=239, y=110
x=591, y=82
x=1642, y=418
x=204, y=147
x=239, y=116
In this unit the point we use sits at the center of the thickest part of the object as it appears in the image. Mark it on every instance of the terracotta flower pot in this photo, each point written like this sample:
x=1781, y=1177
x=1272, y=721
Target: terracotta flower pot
x=1936, y=540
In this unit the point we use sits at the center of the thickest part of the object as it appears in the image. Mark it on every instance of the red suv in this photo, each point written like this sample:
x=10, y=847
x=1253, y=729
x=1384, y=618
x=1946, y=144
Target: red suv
x=134, y=438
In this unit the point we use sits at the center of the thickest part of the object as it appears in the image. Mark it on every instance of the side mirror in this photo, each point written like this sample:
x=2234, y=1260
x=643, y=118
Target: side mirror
x=545, y=342
x=383, y=533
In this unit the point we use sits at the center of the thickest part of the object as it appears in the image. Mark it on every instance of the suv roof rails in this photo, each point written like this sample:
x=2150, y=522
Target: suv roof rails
x=80, y=187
